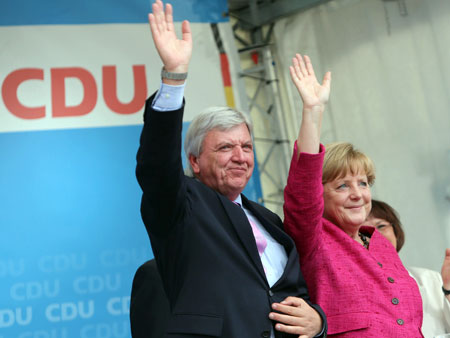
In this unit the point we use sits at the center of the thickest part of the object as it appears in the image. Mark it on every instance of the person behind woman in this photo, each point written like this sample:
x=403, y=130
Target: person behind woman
x=436, y=303
x=353, y=272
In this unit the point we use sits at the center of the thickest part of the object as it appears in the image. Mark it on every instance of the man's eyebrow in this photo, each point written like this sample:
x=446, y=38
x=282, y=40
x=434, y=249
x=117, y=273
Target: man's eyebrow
x=224, y=143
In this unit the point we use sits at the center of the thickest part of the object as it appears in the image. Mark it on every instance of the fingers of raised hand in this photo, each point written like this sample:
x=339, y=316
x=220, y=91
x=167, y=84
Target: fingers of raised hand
x=294, y=75
x=308, y=65
x=159, y=16
x=169, y=17
x=297, y=76
x=303, y=65
x=297, y=67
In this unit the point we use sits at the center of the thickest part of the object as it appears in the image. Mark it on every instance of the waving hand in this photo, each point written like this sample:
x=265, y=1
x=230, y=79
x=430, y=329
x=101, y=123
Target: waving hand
x=175, y=53
x=314, y=96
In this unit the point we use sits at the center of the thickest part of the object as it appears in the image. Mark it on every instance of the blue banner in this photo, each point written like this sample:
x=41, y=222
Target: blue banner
x=66, y=12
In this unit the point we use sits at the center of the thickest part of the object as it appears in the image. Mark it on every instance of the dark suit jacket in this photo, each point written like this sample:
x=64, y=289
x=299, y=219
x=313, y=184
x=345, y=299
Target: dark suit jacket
x=204, y=246
x=149, y=308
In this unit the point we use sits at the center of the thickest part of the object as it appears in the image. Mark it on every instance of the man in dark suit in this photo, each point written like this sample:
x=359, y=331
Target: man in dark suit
x=227, y=266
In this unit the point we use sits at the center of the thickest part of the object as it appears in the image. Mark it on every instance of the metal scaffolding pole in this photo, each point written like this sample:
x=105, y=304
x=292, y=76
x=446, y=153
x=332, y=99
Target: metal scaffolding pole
x=261, y=84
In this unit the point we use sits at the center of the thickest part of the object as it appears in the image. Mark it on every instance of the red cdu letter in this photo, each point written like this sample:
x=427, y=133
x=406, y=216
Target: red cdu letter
x=9, y=93
x=59, y=107
x=110, y=90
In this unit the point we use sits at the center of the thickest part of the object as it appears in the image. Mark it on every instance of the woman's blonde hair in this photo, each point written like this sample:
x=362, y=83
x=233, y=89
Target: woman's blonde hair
x=342, y=158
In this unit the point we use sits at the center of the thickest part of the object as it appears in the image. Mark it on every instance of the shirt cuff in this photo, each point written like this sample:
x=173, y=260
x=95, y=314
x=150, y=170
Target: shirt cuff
x=169, y=97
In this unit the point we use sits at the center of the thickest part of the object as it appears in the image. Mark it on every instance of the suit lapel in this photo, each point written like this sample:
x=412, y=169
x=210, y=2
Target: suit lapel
x=240, y=223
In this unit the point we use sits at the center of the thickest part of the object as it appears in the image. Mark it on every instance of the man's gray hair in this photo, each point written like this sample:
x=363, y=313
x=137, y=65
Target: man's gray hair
x=221, y=118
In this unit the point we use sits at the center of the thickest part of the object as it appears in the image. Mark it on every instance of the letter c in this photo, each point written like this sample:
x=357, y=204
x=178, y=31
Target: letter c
x=9, y=93
x=49, y=315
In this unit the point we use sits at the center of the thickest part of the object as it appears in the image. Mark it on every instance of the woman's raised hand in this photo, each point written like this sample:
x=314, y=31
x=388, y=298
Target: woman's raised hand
x=314, y=95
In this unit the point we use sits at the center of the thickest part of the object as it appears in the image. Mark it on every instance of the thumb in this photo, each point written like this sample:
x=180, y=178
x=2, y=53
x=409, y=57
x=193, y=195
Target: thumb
x=186, y=31
x=327, y=80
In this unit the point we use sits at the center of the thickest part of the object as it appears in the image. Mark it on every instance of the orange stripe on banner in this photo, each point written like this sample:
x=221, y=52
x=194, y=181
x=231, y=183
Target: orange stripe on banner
x=229, y=96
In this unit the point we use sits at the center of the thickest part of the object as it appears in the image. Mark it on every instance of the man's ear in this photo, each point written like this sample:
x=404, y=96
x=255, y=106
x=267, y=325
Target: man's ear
x=193, y=160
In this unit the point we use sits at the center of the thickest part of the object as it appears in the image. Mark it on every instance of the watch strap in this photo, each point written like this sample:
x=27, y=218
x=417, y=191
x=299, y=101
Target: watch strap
x=172, y=76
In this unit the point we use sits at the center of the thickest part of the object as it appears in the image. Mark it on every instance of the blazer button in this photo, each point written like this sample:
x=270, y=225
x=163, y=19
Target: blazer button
x=270, y=293
x=400, y=321
x=395, y=301
x=391, y=280
x=265, y=334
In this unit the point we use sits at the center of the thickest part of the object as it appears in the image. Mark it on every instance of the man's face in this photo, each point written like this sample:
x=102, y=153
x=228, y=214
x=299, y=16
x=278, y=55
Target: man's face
x=226, y=161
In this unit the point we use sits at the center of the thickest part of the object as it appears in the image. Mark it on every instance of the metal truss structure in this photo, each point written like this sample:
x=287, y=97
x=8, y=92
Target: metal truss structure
x=253, y=22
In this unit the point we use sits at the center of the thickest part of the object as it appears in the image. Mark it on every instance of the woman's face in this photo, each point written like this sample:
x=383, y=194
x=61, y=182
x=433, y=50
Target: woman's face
x=347, y=201
x=384, y=227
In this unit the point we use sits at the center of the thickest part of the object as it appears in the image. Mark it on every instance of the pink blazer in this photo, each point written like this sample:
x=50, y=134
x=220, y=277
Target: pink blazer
x=364, y=293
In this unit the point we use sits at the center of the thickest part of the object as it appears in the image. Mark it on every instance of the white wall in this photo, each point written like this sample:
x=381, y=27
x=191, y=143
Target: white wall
x=390, y=97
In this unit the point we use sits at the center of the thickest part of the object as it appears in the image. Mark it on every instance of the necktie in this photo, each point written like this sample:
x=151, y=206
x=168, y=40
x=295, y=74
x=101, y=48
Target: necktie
x=261, y=242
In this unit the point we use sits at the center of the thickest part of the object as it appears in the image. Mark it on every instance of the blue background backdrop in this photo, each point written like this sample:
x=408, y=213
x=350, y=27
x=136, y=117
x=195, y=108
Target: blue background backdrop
x=71, y=233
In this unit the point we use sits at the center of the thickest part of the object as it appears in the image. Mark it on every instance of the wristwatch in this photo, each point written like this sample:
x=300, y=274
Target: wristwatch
x=172, y=76
x=446, y=292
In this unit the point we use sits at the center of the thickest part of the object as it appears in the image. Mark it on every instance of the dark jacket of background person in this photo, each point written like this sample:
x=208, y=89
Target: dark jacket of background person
x=149, y=308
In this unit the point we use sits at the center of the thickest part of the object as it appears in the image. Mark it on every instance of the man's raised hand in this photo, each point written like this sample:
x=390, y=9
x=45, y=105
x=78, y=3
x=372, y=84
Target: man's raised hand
x=174, y=53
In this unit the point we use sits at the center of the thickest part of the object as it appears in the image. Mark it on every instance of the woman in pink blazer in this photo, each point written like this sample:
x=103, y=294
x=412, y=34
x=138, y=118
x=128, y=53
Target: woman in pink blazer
x=352, y=271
